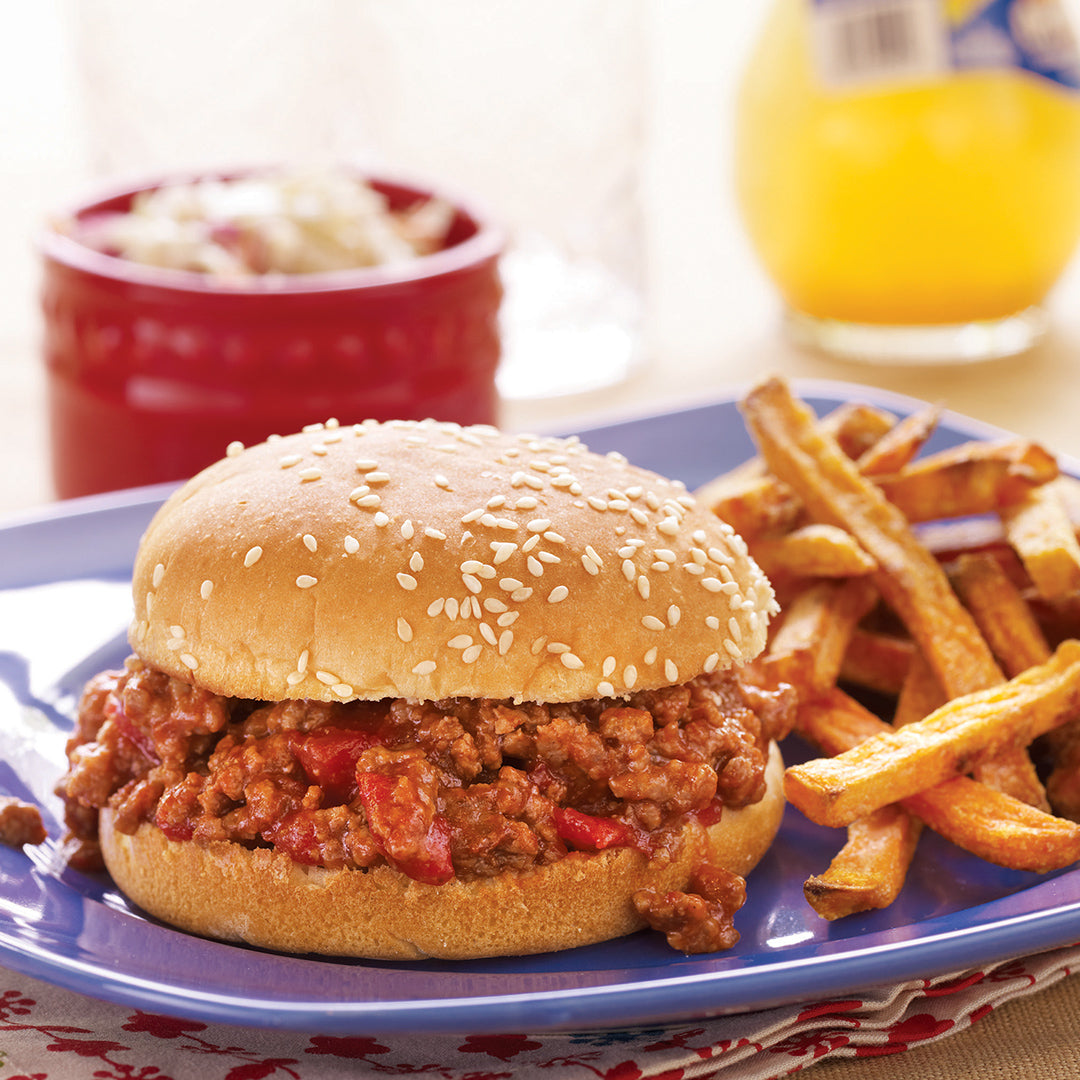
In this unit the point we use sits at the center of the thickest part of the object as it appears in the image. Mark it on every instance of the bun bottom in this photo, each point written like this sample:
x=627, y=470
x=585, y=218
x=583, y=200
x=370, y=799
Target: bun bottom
x=264, y=898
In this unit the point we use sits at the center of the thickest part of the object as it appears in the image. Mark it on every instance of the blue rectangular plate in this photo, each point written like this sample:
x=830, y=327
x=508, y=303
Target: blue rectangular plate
x=64, y=607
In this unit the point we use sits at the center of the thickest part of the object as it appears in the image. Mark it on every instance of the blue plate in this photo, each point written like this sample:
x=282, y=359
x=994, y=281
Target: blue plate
x=64, y=607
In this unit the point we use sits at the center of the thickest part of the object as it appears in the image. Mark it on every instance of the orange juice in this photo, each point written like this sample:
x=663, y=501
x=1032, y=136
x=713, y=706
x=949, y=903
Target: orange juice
x=942, y=192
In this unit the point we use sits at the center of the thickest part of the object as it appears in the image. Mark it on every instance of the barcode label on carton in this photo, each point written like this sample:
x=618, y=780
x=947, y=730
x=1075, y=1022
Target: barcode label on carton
x=860, y=41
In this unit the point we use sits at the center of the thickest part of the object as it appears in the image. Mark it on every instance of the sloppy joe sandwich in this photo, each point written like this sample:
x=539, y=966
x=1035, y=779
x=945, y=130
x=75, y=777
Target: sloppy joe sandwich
x=412, y=690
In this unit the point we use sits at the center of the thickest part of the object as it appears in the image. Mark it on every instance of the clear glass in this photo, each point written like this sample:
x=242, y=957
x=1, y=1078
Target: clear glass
x=539, y=111
x=915, y=218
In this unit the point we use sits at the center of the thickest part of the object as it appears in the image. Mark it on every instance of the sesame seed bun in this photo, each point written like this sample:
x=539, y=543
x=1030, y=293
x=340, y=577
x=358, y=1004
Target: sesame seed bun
x=424, y=560
x=262, y=897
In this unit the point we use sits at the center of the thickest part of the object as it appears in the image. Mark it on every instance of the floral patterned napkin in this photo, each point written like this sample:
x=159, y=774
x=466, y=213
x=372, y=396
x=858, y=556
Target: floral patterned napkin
x=51, y=1034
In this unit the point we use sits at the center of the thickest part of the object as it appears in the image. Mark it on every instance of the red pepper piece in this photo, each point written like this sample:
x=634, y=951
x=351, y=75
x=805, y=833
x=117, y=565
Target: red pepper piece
x=588, y=832
x=329, y=756
x=396, y=822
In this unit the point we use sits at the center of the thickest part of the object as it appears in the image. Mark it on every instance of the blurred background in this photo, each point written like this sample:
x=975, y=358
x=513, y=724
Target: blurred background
x=99, y=90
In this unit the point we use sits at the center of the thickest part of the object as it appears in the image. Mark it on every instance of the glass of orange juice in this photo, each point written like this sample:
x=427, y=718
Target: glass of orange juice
x=909, y=171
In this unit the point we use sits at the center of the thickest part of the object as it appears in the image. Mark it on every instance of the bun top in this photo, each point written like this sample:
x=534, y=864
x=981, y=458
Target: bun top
x=426, y=560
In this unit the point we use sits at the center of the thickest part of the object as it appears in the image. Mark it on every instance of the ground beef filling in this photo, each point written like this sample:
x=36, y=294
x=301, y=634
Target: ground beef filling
x=462, y=788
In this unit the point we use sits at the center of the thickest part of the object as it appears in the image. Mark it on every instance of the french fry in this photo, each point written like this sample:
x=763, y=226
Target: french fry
x=909, y=578
x=809, y=647
x=870, y=869
x=988, y=823
x=813, y=551
x=876, y=661
x=755, y=503
x=920, y=695
x=1000, y=612
x=997, y=828
x=900, y=444
x=1039, y=529
x=972, y=478
x=896, y=764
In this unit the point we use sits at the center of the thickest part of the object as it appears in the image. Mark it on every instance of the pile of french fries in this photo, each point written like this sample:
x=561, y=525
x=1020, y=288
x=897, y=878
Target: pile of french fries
x=948, y=586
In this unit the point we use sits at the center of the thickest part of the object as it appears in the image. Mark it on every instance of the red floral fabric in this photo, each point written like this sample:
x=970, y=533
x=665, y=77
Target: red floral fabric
x=52, y=1034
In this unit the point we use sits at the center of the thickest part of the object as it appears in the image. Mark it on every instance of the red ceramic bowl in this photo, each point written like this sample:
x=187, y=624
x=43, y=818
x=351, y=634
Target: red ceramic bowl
x=151, y=373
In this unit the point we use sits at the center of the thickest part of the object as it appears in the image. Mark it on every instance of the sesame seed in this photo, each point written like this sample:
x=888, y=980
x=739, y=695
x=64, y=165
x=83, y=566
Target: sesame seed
x=560, y=592
x=548, y=557
x=369, y=500
x=472, y=583
x=442, y=482
x=503, y=550
x=407, y=529
x=494, y=605
x=159, y=573
x=538, y=525
x=487, y=633
x=294, y=677
x=253, y=556
x=320, y=450
x=381, y=520
x=530, y=543
x=596, y=502
x=630, y=677
x=310, y=542
x=558, y=647
x=175, y=645
x=590, y=565
x=177, y=631
x=693, y=568
x=309, y=474
x=506, y=639
x=509, y=584
x=452, y=608
x=496, y=502
x=733, y=650
x=669, y=526
x=521, y=594
x=342, y=690
x=366, y=464
x=554, y=538
x=434, y=534
x=206, y=588
x=526, y=502
x=714, y=585
x=425, y=667
x=377, y=477
x=416, y=562
x=650, y=656
x=306, y=581
x=734, y=629
x=710, y=663
x=406, y=581
x=149, y=603
x=508, y=618
x=673, y=615
x=643, y=587
x=659, y=567
x=671, y=672
x=712, y=622
x=698, y=556
x=358, y=492
x=460, y=641
x=189, y=661
x=537, y=646
x=289, y=460
x=307, y=429
x=436, y=607
x=536, y=567
x=609, y=666
x=471, y=654
x=352, y=545
x=404, y=630
x=471, y=516
x=651, y=622
x=569, y=660
x=234, y=449
x=639, y=516
x=327, y=678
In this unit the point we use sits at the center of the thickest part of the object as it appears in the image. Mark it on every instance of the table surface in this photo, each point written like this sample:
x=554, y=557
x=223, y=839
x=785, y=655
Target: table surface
x=1034, y=395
